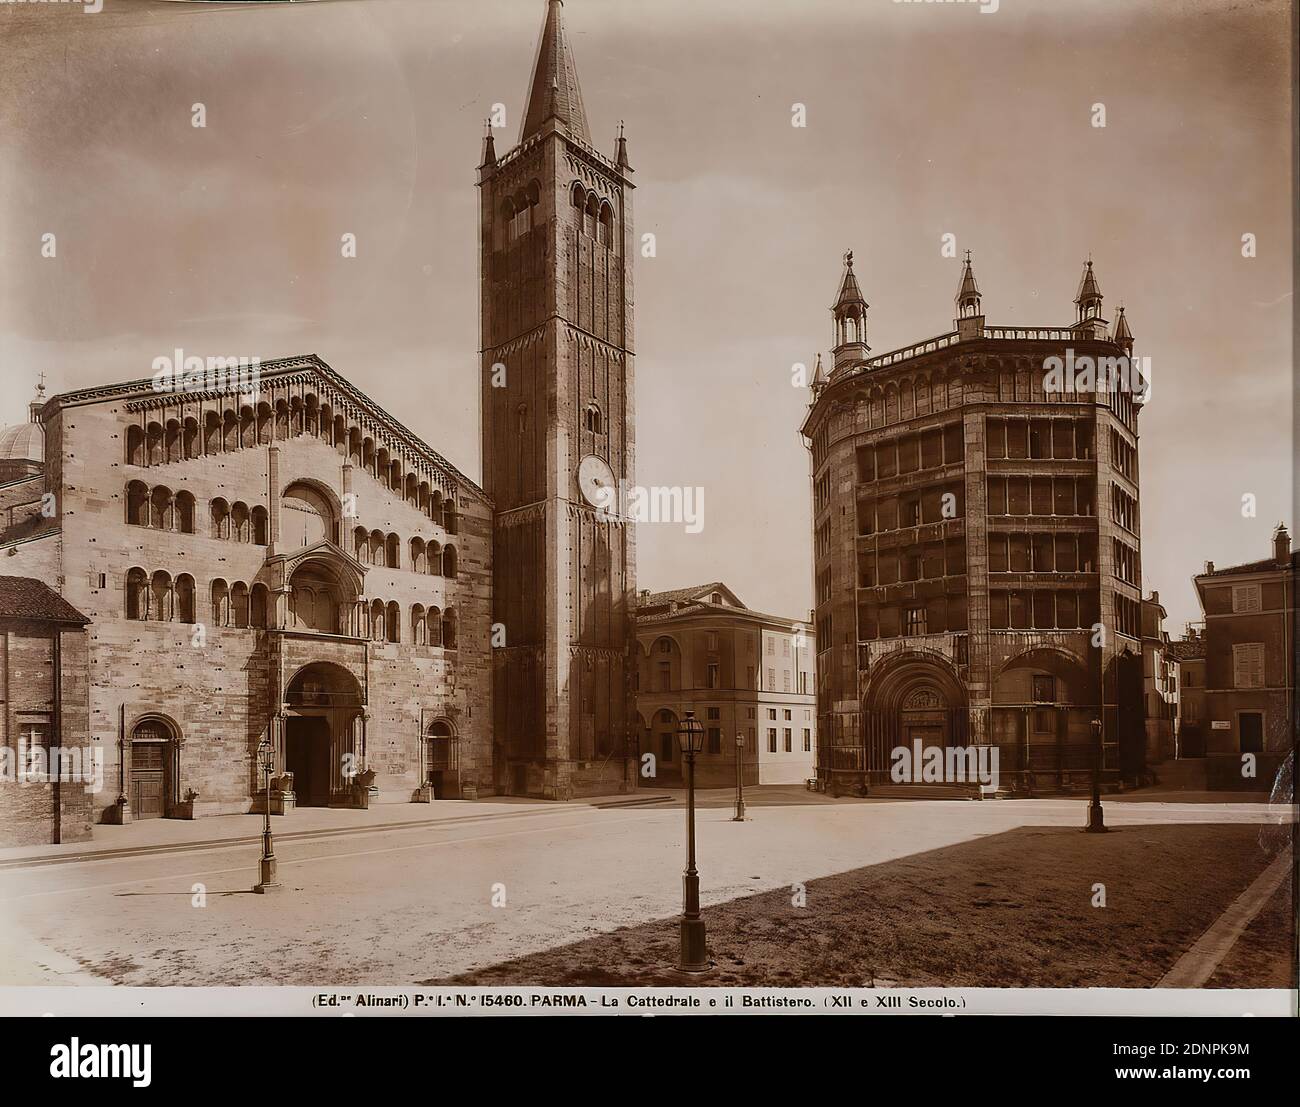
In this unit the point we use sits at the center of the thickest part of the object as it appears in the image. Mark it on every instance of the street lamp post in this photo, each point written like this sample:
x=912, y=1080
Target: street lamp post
x=266, y=867
x=740, y=781
x=1096, y=823
x=690, y=737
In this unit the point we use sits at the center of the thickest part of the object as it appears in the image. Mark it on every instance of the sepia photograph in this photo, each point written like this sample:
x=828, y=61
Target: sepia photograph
x=598, y=507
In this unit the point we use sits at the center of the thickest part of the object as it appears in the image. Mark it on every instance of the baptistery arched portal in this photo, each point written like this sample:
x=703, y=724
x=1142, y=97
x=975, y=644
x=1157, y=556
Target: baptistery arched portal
x=910, y=698
x=322, y=734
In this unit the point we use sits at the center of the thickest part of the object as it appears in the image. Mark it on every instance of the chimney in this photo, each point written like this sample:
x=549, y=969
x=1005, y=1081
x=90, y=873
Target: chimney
x=1209, y=567
x=1281, y=545
x=1155, y=596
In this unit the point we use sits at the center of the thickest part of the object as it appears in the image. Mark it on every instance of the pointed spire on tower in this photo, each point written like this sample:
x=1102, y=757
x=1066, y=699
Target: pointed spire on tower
x=1123, y=337
x=555, y=92
x=818, y=377
x=621, y=156
x=1088, y=300
x=850, y=315
x=489, y=149
x=968, y=295
x=850, y=293
x=970, y=315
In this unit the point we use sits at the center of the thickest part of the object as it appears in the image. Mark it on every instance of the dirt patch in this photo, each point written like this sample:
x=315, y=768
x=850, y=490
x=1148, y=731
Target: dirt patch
x=1014, y=909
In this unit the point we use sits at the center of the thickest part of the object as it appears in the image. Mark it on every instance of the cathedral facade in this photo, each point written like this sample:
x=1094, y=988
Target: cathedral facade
x=283, y=569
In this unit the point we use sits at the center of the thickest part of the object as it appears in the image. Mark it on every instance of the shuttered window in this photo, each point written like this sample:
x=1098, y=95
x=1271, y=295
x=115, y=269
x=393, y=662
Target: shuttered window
x=1248, y=665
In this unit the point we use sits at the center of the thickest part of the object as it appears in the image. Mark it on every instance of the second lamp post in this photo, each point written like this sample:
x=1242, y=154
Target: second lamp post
x=690, y=737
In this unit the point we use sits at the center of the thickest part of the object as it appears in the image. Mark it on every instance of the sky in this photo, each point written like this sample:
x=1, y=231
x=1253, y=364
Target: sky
x=366, y=117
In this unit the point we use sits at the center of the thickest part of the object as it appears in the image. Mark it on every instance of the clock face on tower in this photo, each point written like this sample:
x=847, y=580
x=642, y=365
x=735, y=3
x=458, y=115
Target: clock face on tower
x=596, y=483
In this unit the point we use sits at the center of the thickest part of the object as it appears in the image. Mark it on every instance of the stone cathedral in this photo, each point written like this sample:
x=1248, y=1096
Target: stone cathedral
x=201, y=573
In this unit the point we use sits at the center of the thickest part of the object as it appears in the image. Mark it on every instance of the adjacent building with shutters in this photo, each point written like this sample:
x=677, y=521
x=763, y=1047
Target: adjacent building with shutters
x=1249, y=651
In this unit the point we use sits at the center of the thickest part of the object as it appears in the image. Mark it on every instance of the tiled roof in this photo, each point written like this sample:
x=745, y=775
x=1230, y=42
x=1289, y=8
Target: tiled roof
x=1187, y=649
x=1267, y=565
x=28, y=598
x=701, y=607
x=655, y=599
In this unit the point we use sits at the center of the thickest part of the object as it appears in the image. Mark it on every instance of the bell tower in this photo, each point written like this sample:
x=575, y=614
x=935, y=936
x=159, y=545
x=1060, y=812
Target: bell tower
x=556, y=336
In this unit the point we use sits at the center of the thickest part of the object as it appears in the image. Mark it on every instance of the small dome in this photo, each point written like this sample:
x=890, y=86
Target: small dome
x=23, y=442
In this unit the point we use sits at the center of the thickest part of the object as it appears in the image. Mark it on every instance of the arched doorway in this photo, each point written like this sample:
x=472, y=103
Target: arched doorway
x=441, y=761
x=663, y=744
x=320, y=731
x=911, y=697
x=154, y=768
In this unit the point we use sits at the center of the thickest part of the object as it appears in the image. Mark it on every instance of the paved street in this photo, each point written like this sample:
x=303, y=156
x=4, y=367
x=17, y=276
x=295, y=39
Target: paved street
x=395, y=904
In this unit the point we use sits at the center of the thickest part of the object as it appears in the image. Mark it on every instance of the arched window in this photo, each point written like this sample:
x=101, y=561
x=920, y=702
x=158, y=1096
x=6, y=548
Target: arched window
x=377, y=555
x=160, y=597
x=220, y=603
x=260, y=526
x=449, y=562
x=392, y=623
x=137, y=504
x=190, y=438
x=239, y=522
x=377, y=621
x=172, y=442
x=239, y=604
x=183, y=512
x=449, y=522
x=265, y=424
x=433, y=554
x=212, y=433
x=418, y=626
x=307, y=516
x=153, y=438
x=185, y=598
x=418, y=564
x=392, y=551
x=137, y=595
x=433, y=625
x=605, y=231
x=160, y=509
x=361, y=544
x=135, y=446
x=230, y=432
x=578, y=195
x=595, y=423
x=247, y=428
x=449, y=629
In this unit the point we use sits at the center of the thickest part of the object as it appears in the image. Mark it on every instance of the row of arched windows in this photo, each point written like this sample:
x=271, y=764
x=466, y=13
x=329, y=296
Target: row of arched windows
x=159, y=508
x=238, y=522
x=596, y=215
x=427, y=626
x=157, y=597
x=430, y=558
x=158, y=443
x=237, y=605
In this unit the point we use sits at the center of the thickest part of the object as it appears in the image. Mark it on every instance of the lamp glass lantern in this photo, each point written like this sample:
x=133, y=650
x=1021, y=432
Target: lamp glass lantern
x=690, y=735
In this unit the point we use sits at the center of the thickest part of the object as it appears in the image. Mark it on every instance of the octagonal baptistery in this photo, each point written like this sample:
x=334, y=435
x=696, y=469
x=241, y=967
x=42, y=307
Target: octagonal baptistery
x=963, y=569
